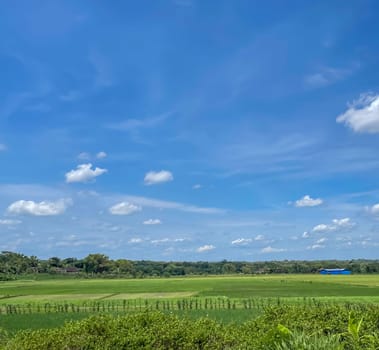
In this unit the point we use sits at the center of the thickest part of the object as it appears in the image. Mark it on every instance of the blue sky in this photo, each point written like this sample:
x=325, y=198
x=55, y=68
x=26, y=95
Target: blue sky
x=190, y=130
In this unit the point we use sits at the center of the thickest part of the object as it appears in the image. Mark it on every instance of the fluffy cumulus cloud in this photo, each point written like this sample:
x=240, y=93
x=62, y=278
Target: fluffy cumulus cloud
x=206, y=248
x=305, y=234
x=337, y=224
x=362, y=115
x=307, y=201
x=343, y=223
x=152, y=222
x=157, y=177
x=84, y=173
x=270, y=249
x=241, y=241
x=124, y=208
x=44, y=208
x=321, y=228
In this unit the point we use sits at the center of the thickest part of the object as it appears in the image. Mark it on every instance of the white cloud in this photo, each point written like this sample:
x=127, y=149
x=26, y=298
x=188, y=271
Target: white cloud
x=196, y=187
x=338, y=224
x=327, y=76
x=3, y=147
x=159, y=241
x=322, y=228
x=152, y=222
x=374, y=209
x=84, y=156
x=84, y=173
x=307, y=201
x=73, y=243
x=124, y=208
x=9, y=222
x=259, y=238
x=315, y=246
x=104, y=76
x=167, y=240
x=363, y=114
x=343, y=223
x=321, y=240
x=242, y=241
x=136, y=124
x=44, y=208
x=160, y=204
x=205, y=248
x=101, y=155
x=135, y=240
x=305, y=235
x=157, y=177
x=270, y=249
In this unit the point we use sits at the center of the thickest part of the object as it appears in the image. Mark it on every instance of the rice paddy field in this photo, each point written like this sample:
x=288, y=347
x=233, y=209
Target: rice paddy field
x=44, y=303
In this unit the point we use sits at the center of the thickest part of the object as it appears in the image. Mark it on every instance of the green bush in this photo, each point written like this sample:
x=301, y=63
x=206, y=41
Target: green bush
x=279, y=328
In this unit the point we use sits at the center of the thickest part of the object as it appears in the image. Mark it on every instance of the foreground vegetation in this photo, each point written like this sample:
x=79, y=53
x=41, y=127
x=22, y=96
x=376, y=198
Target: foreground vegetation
x=280, y=312
x=281, y=327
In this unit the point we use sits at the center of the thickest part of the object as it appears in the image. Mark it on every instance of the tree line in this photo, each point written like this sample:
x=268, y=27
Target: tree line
x=13, y=264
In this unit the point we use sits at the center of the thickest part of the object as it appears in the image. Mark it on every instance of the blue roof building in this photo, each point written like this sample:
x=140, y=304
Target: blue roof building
x=335, y=272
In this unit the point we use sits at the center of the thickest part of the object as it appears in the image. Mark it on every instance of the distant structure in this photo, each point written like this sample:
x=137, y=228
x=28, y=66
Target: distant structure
x=335, y=272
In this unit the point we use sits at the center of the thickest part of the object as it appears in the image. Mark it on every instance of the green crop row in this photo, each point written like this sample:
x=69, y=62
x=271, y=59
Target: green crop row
x=196, y=303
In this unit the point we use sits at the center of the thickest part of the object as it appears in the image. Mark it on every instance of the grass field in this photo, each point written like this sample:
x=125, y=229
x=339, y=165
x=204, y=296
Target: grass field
x=354, y=286
x=106, y=293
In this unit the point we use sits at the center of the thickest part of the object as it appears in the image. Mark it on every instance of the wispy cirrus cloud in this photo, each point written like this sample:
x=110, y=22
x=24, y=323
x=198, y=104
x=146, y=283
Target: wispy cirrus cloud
x=9, y=222
x=133, y=124
x=104, y=76
x=315, y=246
x=162, y=204
x=87, y=156
x=328, y=76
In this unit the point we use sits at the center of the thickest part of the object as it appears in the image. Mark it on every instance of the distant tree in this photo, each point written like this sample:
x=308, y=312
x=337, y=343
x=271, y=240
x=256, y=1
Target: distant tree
x=96, y=263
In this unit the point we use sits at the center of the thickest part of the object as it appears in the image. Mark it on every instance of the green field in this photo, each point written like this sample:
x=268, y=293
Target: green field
x=233, y=298
x=288, y=286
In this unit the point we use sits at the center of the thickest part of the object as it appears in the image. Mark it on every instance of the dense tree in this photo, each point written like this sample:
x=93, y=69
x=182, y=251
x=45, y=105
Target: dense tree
x=96, y=263
x=13, y=264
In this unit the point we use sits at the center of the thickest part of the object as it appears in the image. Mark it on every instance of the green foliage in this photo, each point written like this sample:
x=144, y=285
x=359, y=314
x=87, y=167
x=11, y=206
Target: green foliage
x=302, y=341
x=15, y=264
x=279, y=328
